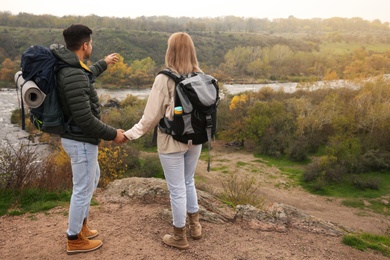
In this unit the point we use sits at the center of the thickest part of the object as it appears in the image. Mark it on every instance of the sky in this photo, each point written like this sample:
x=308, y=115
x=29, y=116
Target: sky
x=271, y=9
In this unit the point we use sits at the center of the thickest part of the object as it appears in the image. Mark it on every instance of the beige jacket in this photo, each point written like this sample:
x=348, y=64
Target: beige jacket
x=160, y=102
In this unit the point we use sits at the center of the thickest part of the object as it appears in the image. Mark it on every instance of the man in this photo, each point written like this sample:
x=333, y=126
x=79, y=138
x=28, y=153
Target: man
x=80, y=103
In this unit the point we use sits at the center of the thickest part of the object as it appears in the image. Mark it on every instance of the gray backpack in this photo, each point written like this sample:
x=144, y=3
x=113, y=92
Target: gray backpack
x=196, y=98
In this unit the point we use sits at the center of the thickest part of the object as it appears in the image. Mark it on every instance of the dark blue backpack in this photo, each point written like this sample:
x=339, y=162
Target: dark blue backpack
x=39, y=65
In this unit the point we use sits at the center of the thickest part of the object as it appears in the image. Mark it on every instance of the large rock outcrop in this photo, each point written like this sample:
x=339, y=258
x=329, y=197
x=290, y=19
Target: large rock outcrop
x=272, y=217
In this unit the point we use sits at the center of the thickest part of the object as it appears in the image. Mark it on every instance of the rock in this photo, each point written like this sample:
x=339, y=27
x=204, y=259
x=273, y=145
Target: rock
x=153, y=190
x=147, y=190
x=275, y=217
x=113, y=102
x=280, y=217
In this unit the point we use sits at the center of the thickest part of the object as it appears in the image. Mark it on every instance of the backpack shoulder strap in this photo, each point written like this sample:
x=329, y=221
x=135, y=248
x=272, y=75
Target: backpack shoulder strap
x=177, y=78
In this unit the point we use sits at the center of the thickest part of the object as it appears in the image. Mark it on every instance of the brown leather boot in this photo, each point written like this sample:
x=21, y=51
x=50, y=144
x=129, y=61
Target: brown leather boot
x=195, y=227
x=89, y=233
x=80, y=244
x=178, y=240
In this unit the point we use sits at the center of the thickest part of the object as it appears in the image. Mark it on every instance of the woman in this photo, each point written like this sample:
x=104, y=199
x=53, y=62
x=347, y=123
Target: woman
x=178, y=159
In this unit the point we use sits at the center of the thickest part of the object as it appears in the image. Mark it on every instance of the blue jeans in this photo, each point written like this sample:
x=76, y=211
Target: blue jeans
x=179, y=169
x=86, y=174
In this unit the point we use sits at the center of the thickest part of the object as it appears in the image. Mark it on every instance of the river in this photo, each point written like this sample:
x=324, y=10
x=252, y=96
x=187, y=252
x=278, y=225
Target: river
x=288, y=87
x=230, y=89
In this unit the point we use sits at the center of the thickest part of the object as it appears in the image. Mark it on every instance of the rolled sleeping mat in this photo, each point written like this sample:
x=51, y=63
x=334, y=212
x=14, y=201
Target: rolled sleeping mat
x=31, y=93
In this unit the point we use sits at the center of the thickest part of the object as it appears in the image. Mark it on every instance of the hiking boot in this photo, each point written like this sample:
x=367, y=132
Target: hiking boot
x=178, y=240
x=80, y=244
x=88, y=233
x=195, y=227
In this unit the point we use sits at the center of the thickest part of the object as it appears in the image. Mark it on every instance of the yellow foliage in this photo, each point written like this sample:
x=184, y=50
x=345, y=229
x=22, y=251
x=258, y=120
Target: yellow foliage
x=331, y=75
x=60, y=157
x=237, y=100
x=112, y=162
x=7, y=69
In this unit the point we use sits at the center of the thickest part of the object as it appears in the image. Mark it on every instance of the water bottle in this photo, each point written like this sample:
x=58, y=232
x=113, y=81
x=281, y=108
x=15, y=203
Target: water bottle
x=178, y=111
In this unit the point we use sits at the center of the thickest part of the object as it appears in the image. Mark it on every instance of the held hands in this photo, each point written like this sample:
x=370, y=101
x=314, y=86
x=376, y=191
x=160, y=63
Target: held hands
x=111, y=59
x=120, y=137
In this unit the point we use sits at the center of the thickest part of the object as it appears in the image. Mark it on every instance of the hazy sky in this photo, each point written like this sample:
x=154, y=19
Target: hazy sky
x=366, y=9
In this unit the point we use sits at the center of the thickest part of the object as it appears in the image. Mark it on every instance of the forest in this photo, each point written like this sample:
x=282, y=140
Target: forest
x=233, y=49
x=342, y=133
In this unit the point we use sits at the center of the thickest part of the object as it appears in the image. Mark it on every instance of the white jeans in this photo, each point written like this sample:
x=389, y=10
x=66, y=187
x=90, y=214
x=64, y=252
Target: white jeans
x=179, y=169
x=86, y=174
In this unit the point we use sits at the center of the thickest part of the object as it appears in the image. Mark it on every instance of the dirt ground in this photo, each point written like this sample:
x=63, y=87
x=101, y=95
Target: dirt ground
x=135, y=230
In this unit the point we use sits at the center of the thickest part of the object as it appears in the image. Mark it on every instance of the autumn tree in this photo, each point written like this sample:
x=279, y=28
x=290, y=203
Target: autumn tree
x=278, y=56
x=117, y=74
x=8, y=70
x=234, y=129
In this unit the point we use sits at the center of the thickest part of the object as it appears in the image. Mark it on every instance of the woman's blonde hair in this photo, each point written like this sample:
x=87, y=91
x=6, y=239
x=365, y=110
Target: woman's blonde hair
x=181, y=54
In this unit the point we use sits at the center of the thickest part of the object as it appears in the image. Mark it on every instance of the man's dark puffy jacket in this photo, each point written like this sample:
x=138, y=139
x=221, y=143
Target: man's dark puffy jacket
x=78, y=97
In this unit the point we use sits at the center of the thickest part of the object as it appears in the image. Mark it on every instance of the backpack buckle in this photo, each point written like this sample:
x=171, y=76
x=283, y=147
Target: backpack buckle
x=209, y=121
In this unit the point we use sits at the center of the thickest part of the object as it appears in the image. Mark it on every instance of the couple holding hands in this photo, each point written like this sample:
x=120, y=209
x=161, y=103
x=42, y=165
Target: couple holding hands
x=80, y=101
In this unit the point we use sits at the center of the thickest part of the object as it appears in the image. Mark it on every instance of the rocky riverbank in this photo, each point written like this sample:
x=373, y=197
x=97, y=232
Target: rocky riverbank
x=8, y=132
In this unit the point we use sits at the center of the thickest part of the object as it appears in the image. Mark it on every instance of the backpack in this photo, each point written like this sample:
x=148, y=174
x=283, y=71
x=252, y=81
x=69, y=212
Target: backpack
x=196, y=102
x=37, y=83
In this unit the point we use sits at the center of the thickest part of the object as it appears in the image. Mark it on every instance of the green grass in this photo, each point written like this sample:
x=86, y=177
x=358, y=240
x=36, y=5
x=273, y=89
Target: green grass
x=241, y=164
x=374, y=205
x=30, y=200
x=279, y=162
x=222, y=169
x=365, y=241
x=346, y=189
x=7, y=198
x=293, y=170
x=353, y=196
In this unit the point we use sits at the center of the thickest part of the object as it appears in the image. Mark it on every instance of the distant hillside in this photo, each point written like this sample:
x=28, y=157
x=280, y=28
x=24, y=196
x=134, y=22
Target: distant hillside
x=132, y=45
x=147, y=36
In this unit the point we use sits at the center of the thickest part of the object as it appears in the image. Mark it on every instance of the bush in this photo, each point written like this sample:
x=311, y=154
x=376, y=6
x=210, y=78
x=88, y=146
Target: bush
x=150, y=167
x=22, y=166
x=241, y=190
x=297, y=151
x=371, y=184
x=16, y=118
x=326, y=169
x=375, y=160
x=125, y=117
x=55, y=172
x=19, y=165
x=131, y=100
x=112, y=162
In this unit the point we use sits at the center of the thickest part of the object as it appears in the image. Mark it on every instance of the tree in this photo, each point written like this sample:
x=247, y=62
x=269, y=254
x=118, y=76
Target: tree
x=279, y=54
x=235, y=126
x=259, y=68
x=143, y=71
x=147, y=65
x=270, y=126
x=7, y=70
x=117, y=74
